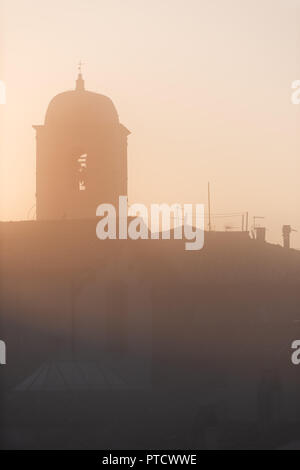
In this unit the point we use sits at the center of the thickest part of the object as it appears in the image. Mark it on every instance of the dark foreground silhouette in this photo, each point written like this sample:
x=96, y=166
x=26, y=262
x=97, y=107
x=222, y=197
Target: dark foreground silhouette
x=141, y=344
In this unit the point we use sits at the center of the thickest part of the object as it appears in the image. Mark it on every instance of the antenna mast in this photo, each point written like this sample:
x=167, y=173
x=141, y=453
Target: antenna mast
x=209, y=209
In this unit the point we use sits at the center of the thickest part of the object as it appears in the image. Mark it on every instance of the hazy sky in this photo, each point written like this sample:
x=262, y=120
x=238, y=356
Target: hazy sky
x=203, y=85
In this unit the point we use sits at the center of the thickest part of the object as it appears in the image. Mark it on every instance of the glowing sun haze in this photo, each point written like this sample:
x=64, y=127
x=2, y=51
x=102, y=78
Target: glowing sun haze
x=203, y=85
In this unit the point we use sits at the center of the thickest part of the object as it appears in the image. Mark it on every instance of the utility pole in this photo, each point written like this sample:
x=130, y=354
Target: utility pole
x=209, y=213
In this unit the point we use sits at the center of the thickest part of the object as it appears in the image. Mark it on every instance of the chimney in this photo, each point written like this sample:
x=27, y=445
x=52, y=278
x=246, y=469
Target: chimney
x=286, y=233
x=260, y=234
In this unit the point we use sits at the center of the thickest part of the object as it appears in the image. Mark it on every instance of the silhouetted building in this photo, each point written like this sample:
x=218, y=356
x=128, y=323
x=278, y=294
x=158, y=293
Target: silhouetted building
x=134, y=343
x=81, y=158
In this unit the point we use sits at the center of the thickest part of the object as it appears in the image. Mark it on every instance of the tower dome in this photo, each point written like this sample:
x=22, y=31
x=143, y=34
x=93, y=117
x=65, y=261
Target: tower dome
x=81, y=107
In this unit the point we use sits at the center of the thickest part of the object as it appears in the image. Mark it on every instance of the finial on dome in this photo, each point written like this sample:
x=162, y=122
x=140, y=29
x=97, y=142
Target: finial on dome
x=80, y=81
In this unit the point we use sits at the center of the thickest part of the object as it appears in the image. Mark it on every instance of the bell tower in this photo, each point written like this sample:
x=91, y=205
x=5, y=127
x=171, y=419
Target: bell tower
x=81, y=155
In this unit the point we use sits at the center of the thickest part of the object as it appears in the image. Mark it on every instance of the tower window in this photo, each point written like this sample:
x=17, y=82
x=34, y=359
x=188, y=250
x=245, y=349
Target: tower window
x=82, y=161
